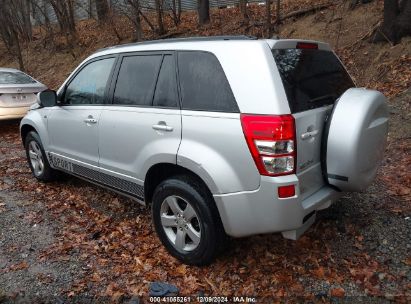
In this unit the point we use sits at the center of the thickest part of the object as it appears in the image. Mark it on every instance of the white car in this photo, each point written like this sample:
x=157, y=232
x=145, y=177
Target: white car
x=17, y=93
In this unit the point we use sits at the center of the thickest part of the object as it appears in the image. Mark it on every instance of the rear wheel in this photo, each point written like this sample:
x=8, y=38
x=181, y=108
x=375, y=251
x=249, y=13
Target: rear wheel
x=37, y=159
x=186, y=220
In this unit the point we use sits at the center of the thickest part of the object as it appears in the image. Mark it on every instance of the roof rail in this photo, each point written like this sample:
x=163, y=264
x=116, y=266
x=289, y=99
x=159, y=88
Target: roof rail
x=184, y=39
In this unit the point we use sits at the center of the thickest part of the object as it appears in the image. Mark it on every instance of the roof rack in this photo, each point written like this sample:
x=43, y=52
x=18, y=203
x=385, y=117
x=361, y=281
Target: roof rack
x=184, y=39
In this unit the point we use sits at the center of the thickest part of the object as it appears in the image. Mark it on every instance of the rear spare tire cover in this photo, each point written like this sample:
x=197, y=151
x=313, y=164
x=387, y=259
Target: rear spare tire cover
x=356, y=139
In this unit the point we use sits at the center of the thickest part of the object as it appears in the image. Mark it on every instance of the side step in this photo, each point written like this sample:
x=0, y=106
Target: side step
x=297, y=233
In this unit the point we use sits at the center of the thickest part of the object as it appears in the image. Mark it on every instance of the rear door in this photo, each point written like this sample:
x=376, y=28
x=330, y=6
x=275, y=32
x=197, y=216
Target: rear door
x=313, y=80
x=142, y=126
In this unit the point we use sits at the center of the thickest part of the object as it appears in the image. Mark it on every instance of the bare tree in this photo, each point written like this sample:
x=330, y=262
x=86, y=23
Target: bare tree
x=9, y=31
x=25, y=18
x=21, y=17
x=397, y=21
x=64, y=10
x=102, y=10
x=203, y=11
x=39, y=12
x=134, y=17
x=277, y=15
x=159, y=11
x=176, y=11
x=268, y=24
x=243, y=10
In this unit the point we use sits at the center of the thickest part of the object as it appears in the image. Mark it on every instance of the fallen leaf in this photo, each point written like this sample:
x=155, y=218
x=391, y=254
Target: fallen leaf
x=19, y=266
x=337, y=292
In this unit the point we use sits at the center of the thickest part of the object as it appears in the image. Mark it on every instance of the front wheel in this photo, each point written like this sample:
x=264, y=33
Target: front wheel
x=186, y=220
x=37, y=159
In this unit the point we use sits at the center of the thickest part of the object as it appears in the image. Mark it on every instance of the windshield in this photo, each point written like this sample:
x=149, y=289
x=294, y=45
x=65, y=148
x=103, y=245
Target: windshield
x=311, y=78
x=15, y=78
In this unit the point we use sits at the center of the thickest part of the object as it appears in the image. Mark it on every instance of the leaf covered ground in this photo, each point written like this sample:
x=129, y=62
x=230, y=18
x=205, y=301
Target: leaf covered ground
x=72, y=240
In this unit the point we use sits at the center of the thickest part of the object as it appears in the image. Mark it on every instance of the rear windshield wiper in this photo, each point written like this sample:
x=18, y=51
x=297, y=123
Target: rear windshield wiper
x=322, y=98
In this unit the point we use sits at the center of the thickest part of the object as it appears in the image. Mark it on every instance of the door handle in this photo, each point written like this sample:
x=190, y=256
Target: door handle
x=162, y=126
x=309, y=134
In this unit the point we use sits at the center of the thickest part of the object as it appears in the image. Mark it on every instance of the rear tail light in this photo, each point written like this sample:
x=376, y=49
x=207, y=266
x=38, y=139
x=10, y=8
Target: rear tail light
x=271, y=140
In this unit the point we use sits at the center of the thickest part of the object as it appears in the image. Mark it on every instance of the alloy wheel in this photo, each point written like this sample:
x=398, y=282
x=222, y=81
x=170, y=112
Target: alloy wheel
x=36, y=158
x=180, y=223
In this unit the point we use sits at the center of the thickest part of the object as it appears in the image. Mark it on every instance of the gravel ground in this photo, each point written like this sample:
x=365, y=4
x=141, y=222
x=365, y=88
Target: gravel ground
x=365, y=227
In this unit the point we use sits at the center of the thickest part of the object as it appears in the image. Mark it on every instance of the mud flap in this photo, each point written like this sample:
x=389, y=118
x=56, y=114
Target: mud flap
x=297, y=233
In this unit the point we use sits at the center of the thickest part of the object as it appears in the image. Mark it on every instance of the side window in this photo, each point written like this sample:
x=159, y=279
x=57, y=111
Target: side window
x=136, y=80
x=165, y=94
x=89, y=85
x=204, y=85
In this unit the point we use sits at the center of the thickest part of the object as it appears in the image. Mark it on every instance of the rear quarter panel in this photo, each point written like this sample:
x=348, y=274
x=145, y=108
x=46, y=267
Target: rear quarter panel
x=213, y=146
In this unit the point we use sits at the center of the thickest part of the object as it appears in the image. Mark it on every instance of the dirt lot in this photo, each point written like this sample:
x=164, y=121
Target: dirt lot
x=72, y=240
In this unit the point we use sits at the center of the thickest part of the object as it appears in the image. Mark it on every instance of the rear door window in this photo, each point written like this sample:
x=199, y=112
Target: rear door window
x=203, y=84
x=311, y=78
x=136, y=80
x=165, y=94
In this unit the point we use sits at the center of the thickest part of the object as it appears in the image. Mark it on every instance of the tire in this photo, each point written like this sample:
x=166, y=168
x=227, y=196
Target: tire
x=37, y=159
x=199, y=227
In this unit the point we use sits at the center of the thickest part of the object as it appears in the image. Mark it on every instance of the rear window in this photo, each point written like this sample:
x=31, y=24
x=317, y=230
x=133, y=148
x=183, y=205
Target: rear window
x=15, y=78
x=311, y=78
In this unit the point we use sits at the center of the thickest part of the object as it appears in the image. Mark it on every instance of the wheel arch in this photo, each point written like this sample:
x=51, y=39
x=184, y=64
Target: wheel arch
x=161, y=171
x=34, y=121
x=25, y=129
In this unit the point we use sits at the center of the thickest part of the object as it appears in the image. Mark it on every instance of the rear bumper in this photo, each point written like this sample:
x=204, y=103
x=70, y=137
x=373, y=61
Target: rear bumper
x=261, y=211
x=13, y=113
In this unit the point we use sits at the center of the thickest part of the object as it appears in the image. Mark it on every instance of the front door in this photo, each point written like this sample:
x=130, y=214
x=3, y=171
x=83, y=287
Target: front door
x=73, y=125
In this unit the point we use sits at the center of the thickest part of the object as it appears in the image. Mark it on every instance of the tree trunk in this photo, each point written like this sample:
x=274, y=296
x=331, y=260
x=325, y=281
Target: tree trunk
x=176, y=11
x=159, y=11
x=19, y=56
x=70, y=15
x=404, y=19
x=268, y=18
x=397, y=21
x=10, y=29
x=139, y=31
x=389, y=27
x=26, y=19
x=278, y=17
x=243, y=10
x=203, y=11
x=90, y=9
x=179, y=11
x=102, y=10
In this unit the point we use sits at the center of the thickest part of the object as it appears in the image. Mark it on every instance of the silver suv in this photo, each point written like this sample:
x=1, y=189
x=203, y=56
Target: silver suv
x=221, y=136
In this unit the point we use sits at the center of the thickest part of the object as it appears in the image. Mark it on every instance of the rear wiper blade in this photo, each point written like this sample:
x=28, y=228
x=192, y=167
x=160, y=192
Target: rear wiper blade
x=322, y=98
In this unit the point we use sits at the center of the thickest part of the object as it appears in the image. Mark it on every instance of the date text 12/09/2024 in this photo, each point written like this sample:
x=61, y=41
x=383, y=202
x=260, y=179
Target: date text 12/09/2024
x=203, y=299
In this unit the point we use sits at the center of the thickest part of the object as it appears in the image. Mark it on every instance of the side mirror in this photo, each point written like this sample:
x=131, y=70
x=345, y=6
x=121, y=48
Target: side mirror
x=47, y=98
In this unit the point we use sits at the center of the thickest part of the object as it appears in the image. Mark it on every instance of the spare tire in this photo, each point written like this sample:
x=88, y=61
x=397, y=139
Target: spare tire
x=356, y=140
